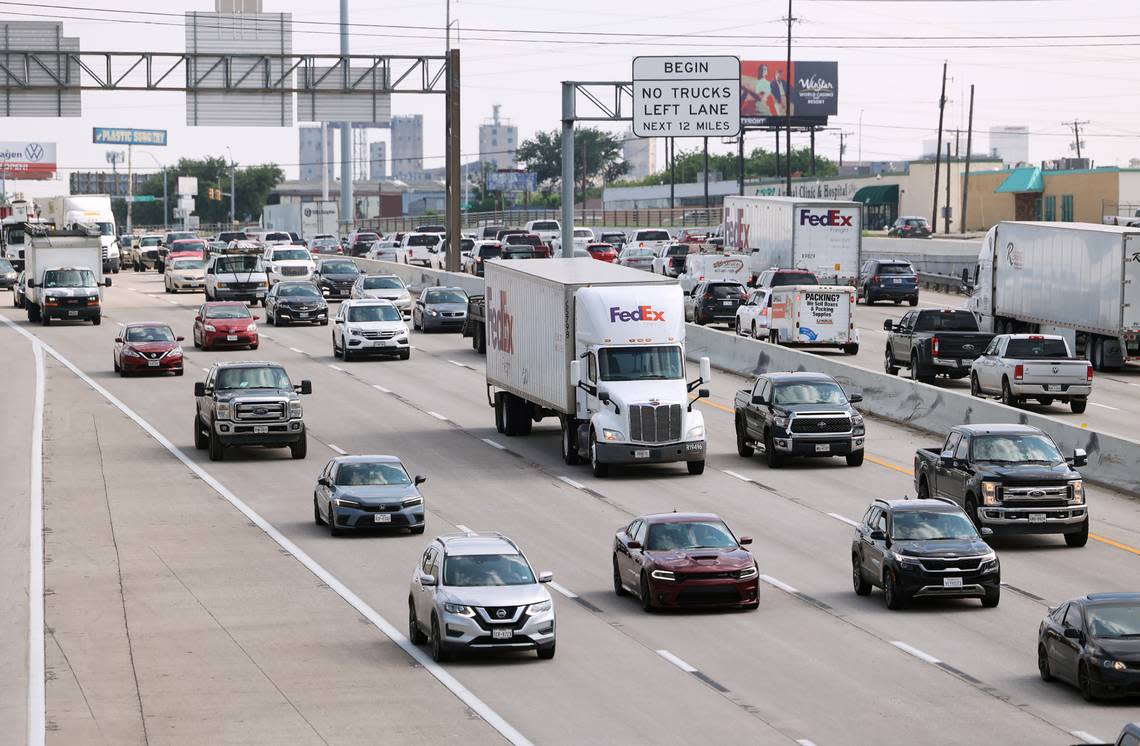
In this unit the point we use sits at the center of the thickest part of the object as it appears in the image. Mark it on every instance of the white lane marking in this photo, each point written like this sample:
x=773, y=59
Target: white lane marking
x=37, y=702
x=438, y=416
x=1085, y=736
x=463, y=528
x=805, y=742
x=1130, y=384
x=1103, y=406
x=461, y=365
x=464, y=694
x=378, y=387
x=845, y=519
x=778, y=584
x=266, y=335
x=205, y=370
x=336, y=367
x=337, y=448
x=572, y=483
x=299, y=352
x=676, y=661
x=563, y=590
x=915, y=652
x=741, y=477
x=493, y=444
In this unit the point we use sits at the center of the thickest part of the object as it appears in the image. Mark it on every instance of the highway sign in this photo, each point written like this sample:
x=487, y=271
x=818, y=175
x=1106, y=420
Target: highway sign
x=143, y=198
x=686, y=96
x=125, y=136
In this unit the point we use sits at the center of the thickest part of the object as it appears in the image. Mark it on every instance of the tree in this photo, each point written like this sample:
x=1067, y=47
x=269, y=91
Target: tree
x=598, y=151
x=254, y=183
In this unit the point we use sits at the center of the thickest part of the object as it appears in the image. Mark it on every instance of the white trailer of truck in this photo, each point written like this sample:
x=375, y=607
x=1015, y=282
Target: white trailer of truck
x=602, y=348
x=64, y=271
x=824, y=236
x=814, y=316
x=1078, y=280
x=78, y=212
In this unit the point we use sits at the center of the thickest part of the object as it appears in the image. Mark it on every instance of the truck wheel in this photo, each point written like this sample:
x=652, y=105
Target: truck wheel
x=889, y=364
x=523, y=423
x=914, y=367
x=1078, y=405
x=855, y=459
x=96, y=321
x=923, y=490
x=696, y=467
x=601, y=471
x=972, y=513
x=743, y=449
x=570, y=441
x=913, y=301
x=199, y=436
x=852, y=349
x=500, y=413
x=775, y=460
x=217, y=450
x=481, y=336
x=1046, y=401
x=1079, y=538
x=300, y=449
x=1007, y=397
x=45, y=319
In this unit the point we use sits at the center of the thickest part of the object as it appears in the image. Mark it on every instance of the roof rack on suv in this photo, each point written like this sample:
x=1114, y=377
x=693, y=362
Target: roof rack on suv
x=445, y=538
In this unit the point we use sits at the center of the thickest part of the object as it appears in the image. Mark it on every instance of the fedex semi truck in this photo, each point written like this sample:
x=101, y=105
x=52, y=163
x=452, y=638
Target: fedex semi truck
x=602, y=348
x=824, y=236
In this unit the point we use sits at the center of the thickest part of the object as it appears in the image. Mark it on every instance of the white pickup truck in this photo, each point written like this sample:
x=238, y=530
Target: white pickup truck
x=1017, y=367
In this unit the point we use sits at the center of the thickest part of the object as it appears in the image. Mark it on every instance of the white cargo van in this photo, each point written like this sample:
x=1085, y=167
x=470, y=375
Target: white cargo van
x=814, y=316
x=64, y=275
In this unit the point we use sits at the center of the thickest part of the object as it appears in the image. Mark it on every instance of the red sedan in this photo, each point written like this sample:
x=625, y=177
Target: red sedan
x=147, y=347
x=225, y=324
x=602, y=251
x=689, y=560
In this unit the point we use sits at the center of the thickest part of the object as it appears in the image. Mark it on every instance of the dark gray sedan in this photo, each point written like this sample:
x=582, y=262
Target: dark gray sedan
x=440, y=308
x=296, y=303
x=367, y=492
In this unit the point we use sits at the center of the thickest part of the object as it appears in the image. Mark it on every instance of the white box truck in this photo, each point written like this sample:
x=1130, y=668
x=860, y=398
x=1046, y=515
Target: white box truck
x=814, y=316
x=77, y=212
x=602, y=348
x=64, y=271
x=1078, y=280
x=824, y=236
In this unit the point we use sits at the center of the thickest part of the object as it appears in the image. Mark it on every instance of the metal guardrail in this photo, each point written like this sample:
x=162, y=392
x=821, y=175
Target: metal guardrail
x=946, y=283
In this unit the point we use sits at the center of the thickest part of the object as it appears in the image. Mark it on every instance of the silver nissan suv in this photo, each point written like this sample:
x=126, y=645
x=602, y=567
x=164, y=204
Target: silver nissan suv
x=476, y=591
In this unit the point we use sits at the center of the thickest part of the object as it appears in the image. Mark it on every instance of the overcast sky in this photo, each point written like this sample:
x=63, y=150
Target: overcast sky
x=894, y=91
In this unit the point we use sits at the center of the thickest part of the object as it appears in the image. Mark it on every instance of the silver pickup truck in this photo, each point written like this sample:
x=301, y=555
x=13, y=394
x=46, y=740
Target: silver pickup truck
x=1017, y=367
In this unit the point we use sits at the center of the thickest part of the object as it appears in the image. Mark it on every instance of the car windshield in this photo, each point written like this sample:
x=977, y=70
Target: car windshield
x=374, y=313
x=365, y=237
x=794, y=278
x=946, y=321
x=6, y=266
x=339, y=268
x=467, y=571
x=228, y=312
x=1114, y=620
x=637, y=254
x=149, y=334
x=299, y=291
x=240, y=263
x=808, y=392
x=446, y=296
x=725, y=291
x=922, y=525
x=180, y=236
x=524, y=239
x=654, y=236
x=896, y=269
x=1028, y=348
x=325, y=242
x=1016, y=448
x=544, y=225
x=382, y=283
x=69, y=278
x=427, y=239
x=185, y=264
x=641, y=364
x=361, y=474
x=284, y=255
x=252, y=378
x=149, y=241
x=667, y=537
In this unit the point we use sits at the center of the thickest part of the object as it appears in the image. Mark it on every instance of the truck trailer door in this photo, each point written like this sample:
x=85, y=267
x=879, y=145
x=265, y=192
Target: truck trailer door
x=1132, y=283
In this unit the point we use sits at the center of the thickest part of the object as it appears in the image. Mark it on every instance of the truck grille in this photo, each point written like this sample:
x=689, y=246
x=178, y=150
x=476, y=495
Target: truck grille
x=244, y=285
x=293, y=271
x=368, y=334
x=1035, y=496
x=807, y=425
x=655, y=423
x=260, y=411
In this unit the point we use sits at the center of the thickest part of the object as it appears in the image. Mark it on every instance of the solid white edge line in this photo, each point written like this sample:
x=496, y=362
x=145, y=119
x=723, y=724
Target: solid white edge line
x=741, y=477
x=299, y=352
x=676, y=661
x=1085, y=736
x=1103, y=406
x=438, y=416
x=337, y=448
x=778, y=584
x=463, y=528
x=805, y=742
x=843, y=518
x=493, y=444
x=572, y=483
x=335, y=367
x=37, y=682
x=563, y=590
x=915, y=652
x=464, y=694
x=378, y=387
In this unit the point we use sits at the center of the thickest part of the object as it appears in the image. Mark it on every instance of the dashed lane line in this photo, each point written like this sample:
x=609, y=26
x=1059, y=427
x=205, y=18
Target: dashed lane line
x=1085, y=736
x=741, y=477
x=563, y=590
x=779, y=584
x=463, y=528
x=572, y=483
x=493, y=444
x=1103, y=406
x=336, y=367
x=299, y=352
x=676, y=661
x=381, y=389
x=911, y=650
x=337, y=448
x=845, y=519
x=439, y=416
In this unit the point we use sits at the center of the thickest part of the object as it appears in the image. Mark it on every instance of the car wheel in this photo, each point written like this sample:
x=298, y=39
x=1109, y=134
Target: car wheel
x=299, y=449
x=405, y=354
x=415, y=634
x=546, y=653
x=417, y=529
x=217, y=450
x=1084, y=683
x=200, y=440
x=862, y=587
x=894, y=597
x=696, y=467
x=913, y=302
x=755, y=335
x=1007, y=397
x=975, y=387
x=855, y=459
x=1043, y=664
x=600, y=470
x=739, y=331
x=334, y=530
x=990, y=600
x=646, y=597
x=1079, y=538
x=1078, y=405
x=889, y=364
x=439, y=653
x=743, y=449
x=317, y=513
x=775, y=460
x=115, y=365
x=619, y=589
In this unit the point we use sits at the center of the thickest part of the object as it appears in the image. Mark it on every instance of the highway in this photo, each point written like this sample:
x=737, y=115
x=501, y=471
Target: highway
x=814, y=665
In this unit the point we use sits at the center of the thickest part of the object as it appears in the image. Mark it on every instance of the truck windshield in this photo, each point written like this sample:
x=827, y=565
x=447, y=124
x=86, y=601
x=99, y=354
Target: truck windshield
x=69, y=278
x=252, y=378
x=946, y=321
x=544, y=225
x=1015, y=448
x=427, y=239
x=290, y=255
x=641, y=364
x=106, y=229
x=1028, y=348
x=923, y=525
x=808, y=392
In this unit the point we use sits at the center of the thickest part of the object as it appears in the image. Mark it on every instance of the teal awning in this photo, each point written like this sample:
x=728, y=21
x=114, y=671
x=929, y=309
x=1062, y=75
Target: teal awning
x=1027, y=179
x=879, y=194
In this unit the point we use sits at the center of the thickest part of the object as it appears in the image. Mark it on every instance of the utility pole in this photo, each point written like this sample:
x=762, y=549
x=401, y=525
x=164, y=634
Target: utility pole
x=671, y=143
x=966, y=175
x=585, y=168
x=706, y=173
x=568, y=115
x=788, y=102
x=1076, y=144
x=347, y=213
x=130, y=188
x=938, y=150
x=324, y=162
x=842, y=145
x=454, y=216
x=778, y=156
x=740, y=160
x=949, y=174
x=813, y=151
x=233, y=191
x=165, y=200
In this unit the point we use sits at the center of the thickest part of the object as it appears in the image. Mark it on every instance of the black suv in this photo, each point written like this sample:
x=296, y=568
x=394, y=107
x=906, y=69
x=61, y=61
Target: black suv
x=923, y=548
x=714, y=302
x=888, y=279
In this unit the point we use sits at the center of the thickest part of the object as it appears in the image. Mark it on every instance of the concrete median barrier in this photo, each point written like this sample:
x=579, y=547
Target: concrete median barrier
x=418, y=277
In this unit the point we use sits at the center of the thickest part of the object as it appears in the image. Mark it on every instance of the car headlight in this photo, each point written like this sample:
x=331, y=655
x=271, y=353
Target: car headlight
x=662, y=575
x=128, y=352
x=411, y=501
x=433, y=312
x=1115, y=665
x=989, y=562
x=906, y=560
x=93, y=300
x=251, y=328
x=343, y=503
x=210, y=328
x=696, y=432
x=748, y=573
x=990, y=493
x=459, y=610
x=780, y=422
x=356, y=332
x=1077, y=491
x=857, y=420
x=295, y=411
x=224, y=411
x=539, y=608
x=220, y=285
x=612, y=435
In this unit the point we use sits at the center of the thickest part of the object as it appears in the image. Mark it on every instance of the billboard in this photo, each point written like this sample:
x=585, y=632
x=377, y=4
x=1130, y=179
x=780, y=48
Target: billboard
x=766, y=91
x=27, y=160
x=125, y=136
x=512, y=181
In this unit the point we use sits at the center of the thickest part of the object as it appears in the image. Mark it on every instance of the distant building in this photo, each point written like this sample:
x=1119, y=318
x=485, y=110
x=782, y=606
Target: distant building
x=498, y=141
x=309, y=139
x=407, y=145
x=1010, y=144
x=377, y=161
x=640, y=153
x=105, y=182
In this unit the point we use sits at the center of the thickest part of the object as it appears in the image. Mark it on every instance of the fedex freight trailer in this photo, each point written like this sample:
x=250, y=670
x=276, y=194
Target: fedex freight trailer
x=824, y=236
x=1078, y=280
x=602, y=348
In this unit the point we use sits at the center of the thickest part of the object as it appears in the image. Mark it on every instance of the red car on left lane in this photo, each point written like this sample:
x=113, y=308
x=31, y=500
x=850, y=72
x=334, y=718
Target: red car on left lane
x=225, y=324
x=144, y=347
x=602, y=252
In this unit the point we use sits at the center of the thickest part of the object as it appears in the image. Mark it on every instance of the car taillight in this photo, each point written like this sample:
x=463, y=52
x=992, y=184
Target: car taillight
x=708, y=296
x=874, y=278
x=1088, y=374
x=934, y=347
x=1018, y=372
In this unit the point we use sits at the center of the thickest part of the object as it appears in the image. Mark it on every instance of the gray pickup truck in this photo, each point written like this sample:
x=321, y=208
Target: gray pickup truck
x=934, y=342
x=249, y=404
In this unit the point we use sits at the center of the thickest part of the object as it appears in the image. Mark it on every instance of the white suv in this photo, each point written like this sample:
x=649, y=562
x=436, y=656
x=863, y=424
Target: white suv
x=476, y=591
x=369, y=326
x=288, y=263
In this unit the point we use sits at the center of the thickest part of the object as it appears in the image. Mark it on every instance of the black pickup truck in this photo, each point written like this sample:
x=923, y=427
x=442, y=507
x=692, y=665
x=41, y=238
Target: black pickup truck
x=249, y=404
x=475, y=325
x=1009, y=478
x=934, y=342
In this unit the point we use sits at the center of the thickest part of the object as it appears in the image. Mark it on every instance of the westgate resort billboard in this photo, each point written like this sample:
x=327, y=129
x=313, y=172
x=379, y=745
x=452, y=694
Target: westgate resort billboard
x=765, y=92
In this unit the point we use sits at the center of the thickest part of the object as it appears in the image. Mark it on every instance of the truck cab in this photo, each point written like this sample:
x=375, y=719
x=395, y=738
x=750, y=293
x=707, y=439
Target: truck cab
x=249, y=404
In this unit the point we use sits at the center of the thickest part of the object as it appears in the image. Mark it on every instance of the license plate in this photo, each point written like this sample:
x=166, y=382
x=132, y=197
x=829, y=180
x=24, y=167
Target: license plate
x=231, y=337
x=823, y=448
x=73, y=313
x=304, y=314
x=896, y=282
x=502, y=634
x=951, y=582
x=382, y=518
x=152, y=363
x=1054, y=387
x=1036, y=517
x=260, y=429
x=726, y=303
x=642, y=453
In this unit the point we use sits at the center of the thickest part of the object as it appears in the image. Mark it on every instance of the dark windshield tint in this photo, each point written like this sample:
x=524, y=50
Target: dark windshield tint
x=641, y=364
x=914, y=221
x=374, y=313
x=239, y=263
x=726, y=291
x=544, y=225
x=423, y=240
x=467, y=571
x=228, y=312
x=69, y=278
x=339, y=268
x=653, y=236
x=665, y=537
x=808, y=392
x=299, y=291
x=362, y=474
x=1030, y=348
x=149, y=241
x=489, y=252
x=921, y=525
x=1015, y=448
x=149, y=334
x=282, y=255
x=946, y=321
x=6, y=266
x=524, y=239
x=794, y=278
x=1114, y=620
x=252, y=378
x=381, y=283
x=446, y=296
x=680, y=250
x=362, y=237
x=896, y=269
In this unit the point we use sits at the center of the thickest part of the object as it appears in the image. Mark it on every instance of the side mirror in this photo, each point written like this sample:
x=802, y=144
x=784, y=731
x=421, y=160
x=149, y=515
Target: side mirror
x=31, y=282
x=604, y=396
x=427, y=581
x=948, y=460
x=703, y=393
x=324, y=482
x=745, y=540
x=180, y=339
x=758, y=399
x=855, y=398
x=199, y=388
x=107, y=282
x=706, y=370
x=888, y=325
x=545, y=577
x=1080, y=458
x=119, y=340
x=878, y=535
x=420, y=479
x=633, y=545
x=1073, y=633
x=306, y=387
x=575, y=373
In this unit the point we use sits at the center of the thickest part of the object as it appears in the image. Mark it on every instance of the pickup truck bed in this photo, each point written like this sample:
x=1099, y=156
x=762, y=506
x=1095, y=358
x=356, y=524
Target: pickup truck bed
x=475, y=325
x=934, y=342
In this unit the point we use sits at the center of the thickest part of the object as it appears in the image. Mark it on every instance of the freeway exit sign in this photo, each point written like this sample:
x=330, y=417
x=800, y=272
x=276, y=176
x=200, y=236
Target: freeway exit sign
x=686, y=96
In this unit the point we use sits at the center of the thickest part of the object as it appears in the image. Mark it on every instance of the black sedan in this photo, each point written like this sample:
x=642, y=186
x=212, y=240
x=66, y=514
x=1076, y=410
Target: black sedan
x=296, y=303
x=335, y=277
x=1093, y=643
x=367, y=492
x=440, y=308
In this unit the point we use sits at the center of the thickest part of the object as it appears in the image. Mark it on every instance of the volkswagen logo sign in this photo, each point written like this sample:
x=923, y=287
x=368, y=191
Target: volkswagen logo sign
x=1037, y=493
x=34, y=151
x=501, y=613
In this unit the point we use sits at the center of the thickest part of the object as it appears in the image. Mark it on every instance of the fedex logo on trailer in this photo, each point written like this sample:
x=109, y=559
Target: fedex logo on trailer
x=830, y=218
x=735, y=229
x=641, y=313
x=500, y=324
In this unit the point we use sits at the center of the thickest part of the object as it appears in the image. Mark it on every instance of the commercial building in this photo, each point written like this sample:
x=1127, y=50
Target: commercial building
x=407, y=145
x=377, y=161
x=1032, y=193
x=498, y=141
x=309, y=153
x=640, y=153
x=113, y=183
x=371, y=199
x=1010, y=143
